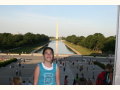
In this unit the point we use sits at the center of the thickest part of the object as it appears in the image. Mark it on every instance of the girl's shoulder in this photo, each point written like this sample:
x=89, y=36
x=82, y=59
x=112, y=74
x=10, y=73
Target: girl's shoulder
x=39, y=64
x=55, y=65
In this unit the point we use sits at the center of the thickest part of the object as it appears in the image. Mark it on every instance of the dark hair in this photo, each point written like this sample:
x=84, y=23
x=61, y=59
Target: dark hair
x=66, y=76
x=23, y=81
x=17, y=81
x=109, y=66
x=46, y=48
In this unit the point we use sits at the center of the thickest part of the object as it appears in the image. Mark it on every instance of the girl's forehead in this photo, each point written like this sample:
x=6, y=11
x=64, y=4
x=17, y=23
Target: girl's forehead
x=48, y=50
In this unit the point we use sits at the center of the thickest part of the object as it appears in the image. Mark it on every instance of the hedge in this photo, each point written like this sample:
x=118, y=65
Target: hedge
x=4, y=63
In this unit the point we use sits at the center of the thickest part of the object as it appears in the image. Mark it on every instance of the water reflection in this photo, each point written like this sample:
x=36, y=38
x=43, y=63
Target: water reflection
x=59, y=47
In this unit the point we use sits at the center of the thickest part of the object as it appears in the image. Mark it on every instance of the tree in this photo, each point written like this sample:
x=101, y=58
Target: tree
x=98, y=41
x=109, y=45
x=10, y=41
x=89, y=42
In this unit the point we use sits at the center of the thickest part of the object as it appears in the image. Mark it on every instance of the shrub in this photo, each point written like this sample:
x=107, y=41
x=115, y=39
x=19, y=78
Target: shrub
x=4, y=63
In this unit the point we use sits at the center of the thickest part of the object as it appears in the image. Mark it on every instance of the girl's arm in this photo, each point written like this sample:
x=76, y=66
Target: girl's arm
x=58, y=76
x=36, y=74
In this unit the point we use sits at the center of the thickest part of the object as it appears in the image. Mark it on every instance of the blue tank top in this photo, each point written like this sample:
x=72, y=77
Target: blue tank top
x=47, y=77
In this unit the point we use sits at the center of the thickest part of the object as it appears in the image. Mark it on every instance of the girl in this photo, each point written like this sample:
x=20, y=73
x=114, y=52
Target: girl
x=47, y=72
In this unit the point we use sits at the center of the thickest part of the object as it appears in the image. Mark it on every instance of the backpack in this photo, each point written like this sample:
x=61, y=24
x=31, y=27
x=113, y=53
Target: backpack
x=103, y=78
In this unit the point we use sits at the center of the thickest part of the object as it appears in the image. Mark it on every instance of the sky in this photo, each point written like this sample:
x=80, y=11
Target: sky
x=80, y=20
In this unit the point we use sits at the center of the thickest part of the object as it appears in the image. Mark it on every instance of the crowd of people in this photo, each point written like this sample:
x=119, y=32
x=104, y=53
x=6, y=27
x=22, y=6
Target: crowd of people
x=104, y=78
x=48, y=72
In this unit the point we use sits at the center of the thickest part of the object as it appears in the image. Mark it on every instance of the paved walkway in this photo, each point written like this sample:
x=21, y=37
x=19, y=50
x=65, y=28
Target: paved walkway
x=89, y=71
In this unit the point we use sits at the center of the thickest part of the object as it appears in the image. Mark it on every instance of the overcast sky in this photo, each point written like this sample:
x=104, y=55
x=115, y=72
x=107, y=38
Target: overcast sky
x=81, y=20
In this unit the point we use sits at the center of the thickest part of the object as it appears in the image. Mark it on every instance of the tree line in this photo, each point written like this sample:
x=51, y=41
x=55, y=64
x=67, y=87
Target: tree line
x=7, y=62
x=9, y=41
x=97, y=42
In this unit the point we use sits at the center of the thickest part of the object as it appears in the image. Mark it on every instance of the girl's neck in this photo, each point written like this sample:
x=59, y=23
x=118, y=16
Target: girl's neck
x=47, y=64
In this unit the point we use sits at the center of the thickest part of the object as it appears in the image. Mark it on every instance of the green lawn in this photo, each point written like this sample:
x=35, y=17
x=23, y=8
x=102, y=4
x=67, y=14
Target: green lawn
x=80, y=49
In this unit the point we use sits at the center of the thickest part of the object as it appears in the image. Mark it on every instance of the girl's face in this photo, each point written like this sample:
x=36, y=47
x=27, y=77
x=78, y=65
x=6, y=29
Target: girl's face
x=48, y=55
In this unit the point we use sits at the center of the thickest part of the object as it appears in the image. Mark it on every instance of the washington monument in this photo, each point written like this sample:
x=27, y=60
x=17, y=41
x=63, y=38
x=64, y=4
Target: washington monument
x=57, y=40
x=56, y=31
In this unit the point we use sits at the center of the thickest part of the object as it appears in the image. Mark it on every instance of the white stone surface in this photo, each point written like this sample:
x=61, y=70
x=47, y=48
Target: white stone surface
x=117, y=61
